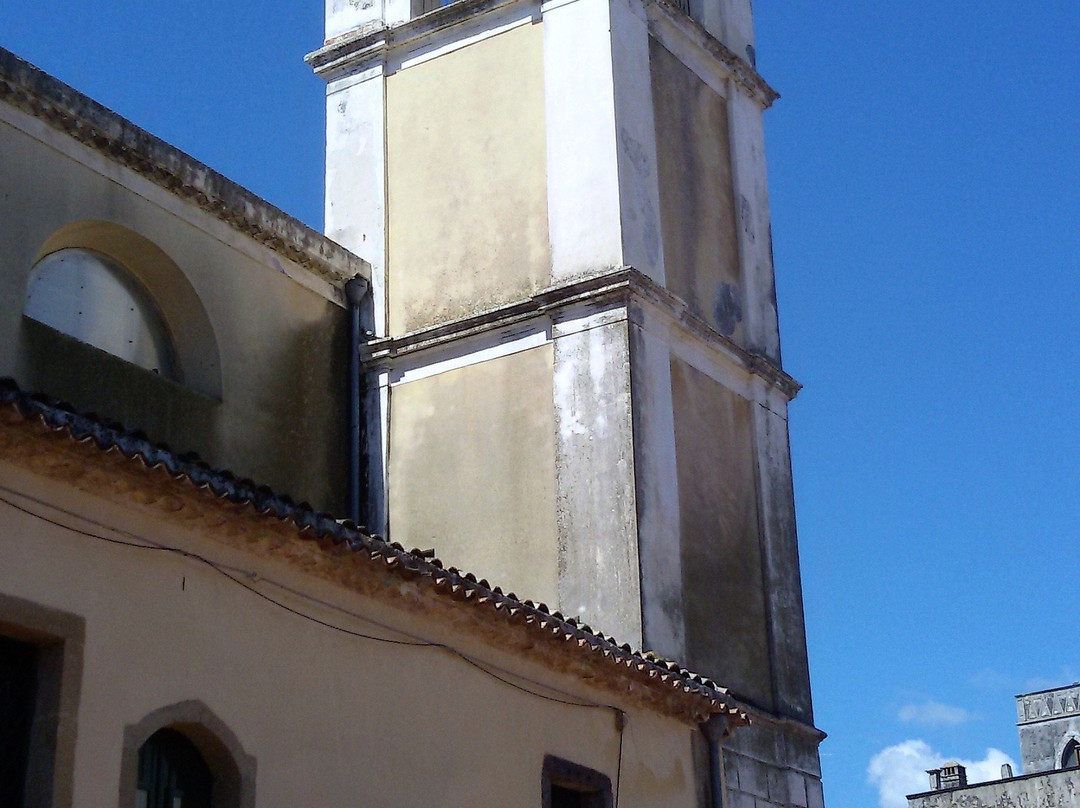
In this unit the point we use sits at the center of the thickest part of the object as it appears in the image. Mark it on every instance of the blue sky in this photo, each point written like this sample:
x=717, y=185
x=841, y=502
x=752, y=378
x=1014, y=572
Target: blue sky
x=925, y=185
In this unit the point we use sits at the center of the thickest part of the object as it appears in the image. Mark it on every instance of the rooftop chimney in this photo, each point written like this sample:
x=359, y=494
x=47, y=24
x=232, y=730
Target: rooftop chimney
x=951, y=775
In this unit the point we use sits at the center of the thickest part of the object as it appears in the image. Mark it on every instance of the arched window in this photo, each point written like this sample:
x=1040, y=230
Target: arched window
x=87, y=296
x=172, y=773
x=184, y=756
x=1070, y=758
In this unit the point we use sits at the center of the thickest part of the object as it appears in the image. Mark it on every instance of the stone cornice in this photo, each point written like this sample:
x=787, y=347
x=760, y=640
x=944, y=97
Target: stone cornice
x=372, y=43
x=664, y=16
x=1048, y=705
x=617, y=287
x=762, y=717
x=68, y=111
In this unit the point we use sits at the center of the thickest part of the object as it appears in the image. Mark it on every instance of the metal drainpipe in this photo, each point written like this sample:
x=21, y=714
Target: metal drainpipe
x=715, y=730
x=356, y=289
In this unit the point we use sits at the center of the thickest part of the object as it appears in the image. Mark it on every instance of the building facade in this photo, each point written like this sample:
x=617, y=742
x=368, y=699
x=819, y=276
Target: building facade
x=566, y=212
x=555, y=219
x=1048, y=722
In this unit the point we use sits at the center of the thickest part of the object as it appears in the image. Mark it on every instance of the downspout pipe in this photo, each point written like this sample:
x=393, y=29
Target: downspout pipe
x=356, y=290
x=716, y=730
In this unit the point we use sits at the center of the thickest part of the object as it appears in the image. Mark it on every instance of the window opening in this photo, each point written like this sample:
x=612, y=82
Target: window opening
x=89, y=297
x=562, y=797
x=18, y=695
x=1070, y=759
x=569, y=785
x=172, y=773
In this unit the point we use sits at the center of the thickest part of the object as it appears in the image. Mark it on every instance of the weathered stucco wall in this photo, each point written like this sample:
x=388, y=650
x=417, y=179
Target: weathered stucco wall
x=656, y=494
x=599, y=574
x=326, y=716
x=697, y=211
x=723, y=602
x=1047, y=722
x=772, y=764
x=472, y=470
x=281, y=347
x=467, y=180
x=1056, y=789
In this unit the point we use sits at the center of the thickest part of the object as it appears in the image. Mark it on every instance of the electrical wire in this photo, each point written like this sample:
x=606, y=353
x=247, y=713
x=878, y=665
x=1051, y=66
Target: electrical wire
x=145, y=544
x=141, y=543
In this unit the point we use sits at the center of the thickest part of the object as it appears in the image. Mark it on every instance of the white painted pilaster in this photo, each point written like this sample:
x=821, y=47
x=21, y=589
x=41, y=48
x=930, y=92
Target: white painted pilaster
x=657, y=487
x=737, y=31
x=356, y=175
x=583, y=170
x=397, y=11
x=599, y=578
x=376, y=411
x=780, y=555
x=730, y=21
x=343, y=16
x=747, y=137
x=356, y=219
x=346, y=16
x=636, y=133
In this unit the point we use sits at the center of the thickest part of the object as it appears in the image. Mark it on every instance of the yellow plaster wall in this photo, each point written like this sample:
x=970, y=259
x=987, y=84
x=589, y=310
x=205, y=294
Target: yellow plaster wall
x=331, y=719
x=281, y=417
x=467, y=192
x=472, y=470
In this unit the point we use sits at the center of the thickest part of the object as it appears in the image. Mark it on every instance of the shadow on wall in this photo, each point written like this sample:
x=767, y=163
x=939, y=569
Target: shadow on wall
x=281, y=419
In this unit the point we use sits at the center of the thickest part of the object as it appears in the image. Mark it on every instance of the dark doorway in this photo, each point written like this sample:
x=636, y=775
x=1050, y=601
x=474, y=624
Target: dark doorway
x=18, y=696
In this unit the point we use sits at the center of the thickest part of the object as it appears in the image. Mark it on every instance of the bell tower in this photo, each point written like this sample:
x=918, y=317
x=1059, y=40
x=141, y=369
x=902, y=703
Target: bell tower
x=575, y=384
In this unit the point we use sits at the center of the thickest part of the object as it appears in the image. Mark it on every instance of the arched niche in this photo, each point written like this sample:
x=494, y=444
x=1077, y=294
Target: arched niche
x=1069, y=756
x=91, y=298
x=196, y=356
x=232, y=770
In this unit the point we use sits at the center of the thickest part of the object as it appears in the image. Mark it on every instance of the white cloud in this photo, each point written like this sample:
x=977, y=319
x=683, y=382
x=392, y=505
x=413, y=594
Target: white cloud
x=933, y=713
x=901, y=770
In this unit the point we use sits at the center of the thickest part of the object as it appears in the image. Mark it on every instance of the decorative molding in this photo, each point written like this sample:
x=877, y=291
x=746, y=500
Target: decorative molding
x=666, y=20
x=66, y=110
x=375, y=42
x=618, y=287
x=1048, y=705
x=60, y=638
x=232, y=768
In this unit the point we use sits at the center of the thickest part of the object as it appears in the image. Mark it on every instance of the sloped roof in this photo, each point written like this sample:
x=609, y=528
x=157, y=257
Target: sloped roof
x=64, y=108
x=28, y=421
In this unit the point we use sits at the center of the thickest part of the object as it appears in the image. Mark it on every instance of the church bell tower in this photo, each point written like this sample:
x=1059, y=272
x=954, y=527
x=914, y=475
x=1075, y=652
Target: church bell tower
x=575, y=385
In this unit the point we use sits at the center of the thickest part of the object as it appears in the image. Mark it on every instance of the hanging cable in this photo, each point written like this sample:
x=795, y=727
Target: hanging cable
x=233, y=574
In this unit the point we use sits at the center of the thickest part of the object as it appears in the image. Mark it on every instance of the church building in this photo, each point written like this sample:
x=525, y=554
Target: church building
x=244, y=466
x=1048, y=722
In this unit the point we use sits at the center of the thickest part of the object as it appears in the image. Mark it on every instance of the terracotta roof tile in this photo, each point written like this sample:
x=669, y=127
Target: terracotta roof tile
x=451, y=582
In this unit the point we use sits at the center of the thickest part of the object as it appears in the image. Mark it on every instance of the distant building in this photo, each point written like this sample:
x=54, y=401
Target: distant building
x=1049, y=725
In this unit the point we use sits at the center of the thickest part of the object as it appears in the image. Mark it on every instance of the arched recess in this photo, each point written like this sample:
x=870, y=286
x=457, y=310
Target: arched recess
x=1070, y=754
x=232, y=769
x=196, y=349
